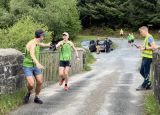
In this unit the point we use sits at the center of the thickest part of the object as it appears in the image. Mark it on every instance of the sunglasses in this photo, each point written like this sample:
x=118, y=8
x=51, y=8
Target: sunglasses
x=64, y=34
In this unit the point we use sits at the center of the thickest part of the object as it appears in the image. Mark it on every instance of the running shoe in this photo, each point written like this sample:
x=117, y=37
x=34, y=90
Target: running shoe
x=26, y=98
x=66, y=88
x=38, y=101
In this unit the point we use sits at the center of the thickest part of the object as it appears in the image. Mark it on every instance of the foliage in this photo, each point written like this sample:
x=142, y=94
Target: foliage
x=119, y=13
x=151, y=105
x=59, y=15
x=20, y=33
x=9, y=102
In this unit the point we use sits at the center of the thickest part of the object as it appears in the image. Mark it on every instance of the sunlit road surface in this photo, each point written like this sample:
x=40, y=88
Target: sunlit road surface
x=109, y=89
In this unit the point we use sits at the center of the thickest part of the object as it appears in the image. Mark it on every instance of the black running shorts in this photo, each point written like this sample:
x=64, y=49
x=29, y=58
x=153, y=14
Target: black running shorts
x=64, y=64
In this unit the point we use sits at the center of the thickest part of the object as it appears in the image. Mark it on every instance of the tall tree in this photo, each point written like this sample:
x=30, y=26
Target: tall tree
x=118, y=13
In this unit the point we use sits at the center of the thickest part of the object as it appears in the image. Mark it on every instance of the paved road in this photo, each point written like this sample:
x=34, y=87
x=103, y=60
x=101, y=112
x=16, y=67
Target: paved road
x=109, y=89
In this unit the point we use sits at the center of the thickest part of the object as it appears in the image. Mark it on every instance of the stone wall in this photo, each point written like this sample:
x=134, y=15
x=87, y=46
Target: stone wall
x=11, y=74
x=11, y=71
x=156, y=74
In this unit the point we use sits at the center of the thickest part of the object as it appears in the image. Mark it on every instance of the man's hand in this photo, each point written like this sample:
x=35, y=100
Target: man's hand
x=142, y=49
x=39, y=66
x=137, y=46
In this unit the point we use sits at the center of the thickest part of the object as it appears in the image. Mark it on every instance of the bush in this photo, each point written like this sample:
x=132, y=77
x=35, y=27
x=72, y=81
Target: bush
x=59, y=15
x=6, y=18
x=109, y=31
x=21, y=32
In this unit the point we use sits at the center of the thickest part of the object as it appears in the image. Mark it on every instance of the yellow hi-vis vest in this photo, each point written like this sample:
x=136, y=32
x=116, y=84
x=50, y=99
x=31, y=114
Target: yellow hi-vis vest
x=147, y=53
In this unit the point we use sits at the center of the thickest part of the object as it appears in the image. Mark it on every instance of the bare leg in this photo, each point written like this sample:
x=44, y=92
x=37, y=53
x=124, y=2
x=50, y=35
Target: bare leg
x=30, y=83
x=39, y=79
x=61, y=72
x=61, y=75
x=66, y=74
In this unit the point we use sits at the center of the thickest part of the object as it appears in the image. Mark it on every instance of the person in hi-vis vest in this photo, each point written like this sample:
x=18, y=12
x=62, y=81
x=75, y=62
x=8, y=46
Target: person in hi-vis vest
x=146, y=48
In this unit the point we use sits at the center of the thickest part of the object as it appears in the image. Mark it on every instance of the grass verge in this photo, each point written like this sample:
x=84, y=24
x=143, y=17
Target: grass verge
x=89, y=60
x=89, y=57
x=151, y=106
x=11, y=101
x=115, y=32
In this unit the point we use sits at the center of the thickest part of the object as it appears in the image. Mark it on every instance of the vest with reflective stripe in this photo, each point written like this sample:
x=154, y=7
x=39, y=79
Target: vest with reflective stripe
x=147, y=53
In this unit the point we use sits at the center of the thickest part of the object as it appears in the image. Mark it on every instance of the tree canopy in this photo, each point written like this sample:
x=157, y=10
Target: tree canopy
x=57, y=15
x=119, y=13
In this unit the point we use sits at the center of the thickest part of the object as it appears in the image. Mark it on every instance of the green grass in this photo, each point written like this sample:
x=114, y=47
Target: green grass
x=89, y=60
x=85, y=37
x=151, y=106
x=115, y=33
x=11, y=101
x=89, y=57
x=80, y=38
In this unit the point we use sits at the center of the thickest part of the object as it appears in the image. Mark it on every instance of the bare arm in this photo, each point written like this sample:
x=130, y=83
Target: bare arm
x=75, y=49
x=32, y=53
x=45, y=45
x=58, y=45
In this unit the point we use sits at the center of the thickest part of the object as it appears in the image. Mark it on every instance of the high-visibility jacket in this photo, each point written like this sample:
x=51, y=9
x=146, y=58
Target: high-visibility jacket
x=147, y=53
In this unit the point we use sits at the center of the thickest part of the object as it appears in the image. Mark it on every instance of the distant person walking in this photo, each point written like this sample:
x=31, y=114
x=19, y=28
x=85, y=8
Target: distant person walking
x=146, y=48
x=121, y=33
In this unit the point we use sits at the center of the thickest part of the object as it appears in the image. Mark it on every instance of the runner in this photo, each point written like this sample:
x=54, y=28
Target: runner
x=65, y=58
x=132, y=38
x=129, y=39
x=32, y=67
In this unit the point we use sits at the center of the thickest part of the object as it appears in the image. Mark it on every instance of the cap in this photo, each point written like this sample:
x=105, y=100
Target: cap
x=39, y=33
x=65, y=33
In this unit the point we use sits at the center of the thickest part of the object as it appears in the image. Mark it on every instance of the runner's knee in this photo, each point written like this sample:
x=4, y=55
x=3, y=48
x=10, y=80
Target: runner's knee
x=66, y=73
x=31, y=85
x=30, y=82
x=39, y=82
x=61, y=73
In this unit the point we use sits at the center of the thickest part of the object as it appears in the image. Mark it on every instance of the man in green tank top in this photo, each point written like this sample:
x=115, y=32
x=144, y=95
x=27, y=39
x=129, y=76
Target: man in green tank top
x=66, y=47
x=32, y=67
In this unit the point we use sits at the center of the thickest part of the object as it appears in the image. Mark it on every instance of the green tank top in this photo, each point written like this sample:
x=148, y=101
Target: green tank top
x=66, y=51
x=28, y=61
x=129, y=37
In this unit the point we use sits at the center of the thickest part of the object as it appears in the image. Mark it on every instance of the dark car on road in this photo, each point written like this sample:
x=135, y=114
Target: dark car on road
x=92, y=46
